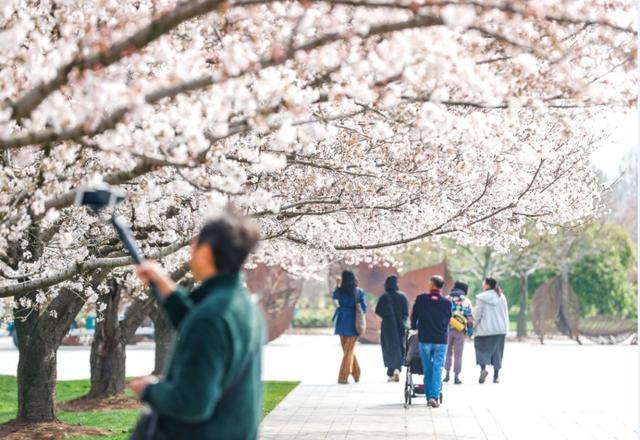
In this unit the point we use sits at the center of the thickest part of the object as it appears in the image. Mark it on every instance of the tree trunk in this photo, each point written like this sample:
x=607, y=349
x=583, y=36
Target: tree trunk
x=108, y=354
x=108, y=351
x=39, y=336
x=164, y=336
x=569, y=317
x=524, y=305
x=108, y=367
x=164, y=332
x=36, y=372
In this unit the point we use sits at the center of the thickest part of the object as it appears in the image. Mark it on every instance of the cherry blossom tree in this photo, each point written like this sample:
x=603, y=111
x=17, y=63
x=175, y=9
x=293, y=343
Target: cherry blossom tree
x=344, y=127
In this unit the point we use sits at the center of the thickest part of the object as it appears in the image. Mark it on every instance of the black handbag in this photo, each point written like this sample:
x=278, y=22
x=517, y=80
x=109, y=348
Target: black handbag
x=147, y=427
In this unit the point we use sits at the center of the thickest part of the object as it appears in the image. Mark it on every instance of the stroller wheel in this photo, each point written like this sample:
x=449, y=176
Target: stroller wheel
x=408, y=389
x=440, y=399
x=407, y=397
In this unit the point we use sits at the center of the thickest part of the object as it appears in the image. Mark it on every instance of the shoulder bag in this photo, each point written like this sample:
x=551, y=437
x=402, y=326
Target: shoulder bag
x=361, y=321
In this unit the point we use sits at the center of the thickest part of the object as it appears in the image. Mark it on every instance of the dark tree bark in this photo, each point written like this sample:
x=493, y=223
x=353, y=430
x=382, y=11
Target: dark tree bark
x=36, y=371
x=108, y=350
x=524, y=305
x=164, y=337
x=39, y=336
x=568, y=317
x=40, y=333
x=164, y=332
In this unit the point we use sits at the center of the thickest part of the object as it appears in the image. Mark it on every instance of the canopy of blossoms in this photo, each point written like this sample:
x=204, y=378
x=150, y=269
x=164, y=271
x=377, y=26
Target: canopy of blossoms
x=345, y=127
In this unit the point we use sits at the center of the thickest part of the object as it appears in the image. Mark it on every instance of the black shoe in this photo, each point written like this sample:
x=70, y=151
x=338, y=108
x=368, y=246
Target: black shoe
x=496, y=380
x=446, y=378
x=483, y=376
x=457, y=381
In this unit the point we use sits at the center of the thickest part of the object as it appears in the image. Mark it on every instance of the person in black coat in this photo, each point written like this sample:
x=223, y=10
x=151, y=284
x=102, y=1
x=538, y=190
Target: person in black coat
x=393, y=308
x=431, y=316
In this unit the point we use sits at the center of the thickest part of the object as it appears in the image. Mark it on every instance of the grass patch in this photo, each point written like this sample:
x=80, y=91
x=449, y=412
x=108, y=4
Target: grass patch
x=274, y=392
x=118, y=421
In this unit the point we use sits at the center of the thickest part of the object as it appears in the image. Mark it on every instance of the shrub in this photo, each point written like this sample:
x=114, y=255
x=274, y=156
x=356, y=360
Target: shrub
x=312, y=318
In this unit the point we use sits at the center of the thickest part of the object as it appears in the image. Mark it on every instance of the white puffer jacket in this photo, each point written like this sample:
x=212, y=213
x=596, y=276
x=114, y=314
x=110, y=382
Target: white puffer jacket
x=491, y=314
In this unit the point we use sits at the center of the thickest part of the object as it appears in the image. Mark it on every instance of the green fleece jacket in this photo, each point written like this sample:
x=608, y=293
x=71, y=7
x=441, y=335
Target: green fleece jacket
x=212, y=387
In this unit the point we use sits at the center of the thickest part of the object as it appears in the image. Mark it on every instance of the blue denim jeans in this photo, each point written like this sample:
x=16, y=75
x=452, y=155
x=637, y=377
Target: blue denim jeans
x=433, y=356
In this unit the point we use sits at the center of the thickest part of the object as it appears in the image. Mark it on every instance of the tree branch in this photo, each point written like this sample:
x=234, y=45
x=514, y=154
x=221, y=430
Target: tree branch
x=110, y=121
x=141, y=307
x=437, y=230
x=184, y=11
x=81, y=267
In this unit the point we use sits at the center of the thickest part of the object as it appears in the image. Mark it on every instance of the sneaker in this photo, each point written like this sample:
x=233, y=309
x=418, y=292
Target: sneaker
x=483, y=376
x=496, y=380
x=389, y=378
x=457, y=381
x=396, y=376
x=446, y=378
x=432, y=403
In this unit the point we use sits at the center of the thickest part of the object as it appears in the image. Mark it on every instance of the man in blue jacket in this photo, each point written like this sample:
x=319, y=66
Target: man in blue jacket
x=430, y=316
x=212, y=387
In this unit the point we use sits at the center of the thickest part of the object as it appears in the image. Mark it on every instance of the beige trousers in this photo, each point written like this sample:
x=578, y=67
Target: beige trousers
x=349, y=364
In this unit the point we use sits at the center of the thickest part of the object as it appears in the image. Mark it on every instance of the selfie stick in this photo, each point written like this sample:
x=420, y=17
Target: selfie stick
x=101, y=197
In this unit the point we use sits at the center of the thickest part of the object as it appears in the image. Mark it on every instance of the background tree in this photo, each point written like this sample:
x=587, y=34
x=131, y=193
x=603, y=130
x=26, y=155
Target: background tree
x=522, y=263
x=602, y=279
x=623, y=200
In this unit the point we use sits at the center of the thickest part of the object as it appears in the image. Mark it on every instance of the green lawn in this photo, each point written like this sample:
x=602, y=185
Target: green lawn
x=121, y=421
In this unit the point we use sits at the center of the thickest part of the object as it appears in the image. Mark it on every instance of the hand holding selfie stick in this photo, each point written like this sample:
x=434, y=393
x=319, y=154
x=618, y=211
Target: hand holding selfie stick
x=102, y=197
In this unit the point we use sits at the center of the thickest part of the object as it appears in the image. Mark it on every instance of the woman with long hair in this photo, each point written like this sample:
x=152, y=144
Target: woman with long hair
x=347, y=296
x=492, y=324
x=393, y=308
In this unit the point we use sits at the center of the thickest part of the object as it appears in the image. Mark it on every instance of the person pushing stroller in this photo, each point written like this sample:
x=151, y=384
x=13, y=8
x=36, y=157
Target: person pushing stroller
x=430, y=316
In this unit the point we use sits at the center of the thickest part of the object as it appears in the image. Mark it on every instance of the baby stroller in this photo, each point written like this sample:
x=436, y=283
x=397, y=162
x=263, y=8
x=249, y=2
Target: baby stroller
x=413, y=365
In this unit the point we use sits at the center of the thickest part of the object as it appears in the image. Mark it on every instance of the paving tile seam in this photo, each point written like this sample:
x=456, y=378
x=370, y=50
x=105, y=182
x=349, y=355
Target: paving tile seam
x=585, y=430
x=453, y=425
x=475, y=416
x=495, y=420
x=307, y=397
x=554, y=427
x=342, y=400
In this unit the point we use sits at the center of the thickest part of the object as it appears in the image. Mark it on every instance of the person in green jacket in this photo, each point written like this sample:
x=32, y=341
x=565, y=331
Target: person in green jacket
x=212, y=387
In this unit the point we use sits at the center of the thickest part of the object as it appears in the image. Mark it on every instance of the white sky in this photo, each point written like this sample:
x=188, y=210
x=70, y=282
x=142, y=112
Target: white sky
x=624, y=136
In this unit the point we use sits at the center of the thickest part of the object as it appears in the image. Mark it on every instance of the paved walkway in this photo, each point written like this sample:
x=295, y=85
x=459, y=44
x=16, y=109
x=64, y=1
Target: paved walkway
x=371, y=411
x=557, y=391
x=547, y=393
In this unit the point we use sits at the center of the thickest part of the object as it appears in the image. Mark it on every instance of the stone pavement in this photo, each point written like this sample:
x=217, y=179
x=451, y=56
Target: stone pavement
x=557, y=391
x=372, y=411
